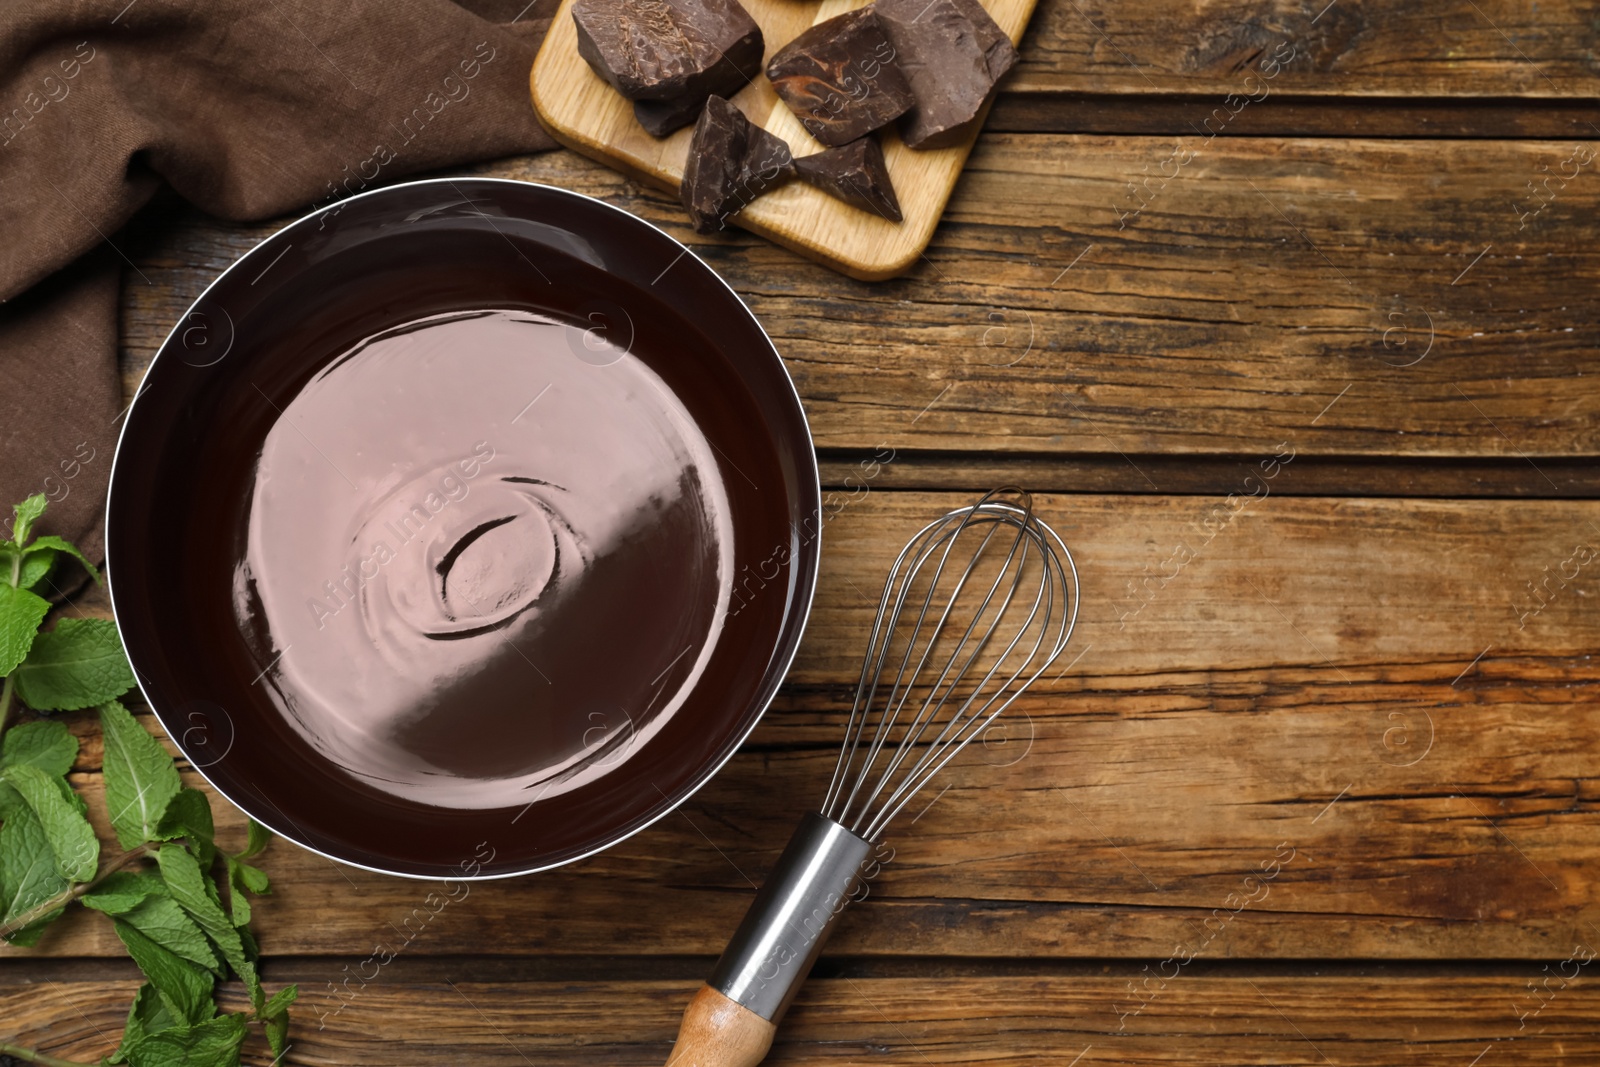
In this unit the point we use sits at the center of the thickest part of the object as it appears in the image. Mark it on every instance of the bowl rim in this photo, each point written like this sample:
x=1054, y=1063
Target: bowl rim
x=799, y=611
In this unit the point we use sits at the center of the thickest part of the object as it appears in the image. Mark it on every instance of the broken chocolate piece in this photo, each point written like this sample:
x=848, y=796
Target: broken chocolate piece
x=841, y=78
x=669, y=49
x=998, y=51
x=768, y=163
x=661, y=117
x=855, y=173
x=731, y=162
x=953, y=54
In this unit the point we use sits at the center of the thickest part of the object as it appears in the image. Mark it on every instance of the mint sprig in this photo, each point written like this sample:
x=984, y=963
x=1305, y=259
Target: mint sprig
x=183, y=928
x=79, y=664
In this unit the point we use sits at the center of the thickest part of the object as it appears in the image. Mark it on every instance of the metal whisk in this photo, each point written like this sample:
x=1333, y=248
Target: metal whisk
x=976, y=606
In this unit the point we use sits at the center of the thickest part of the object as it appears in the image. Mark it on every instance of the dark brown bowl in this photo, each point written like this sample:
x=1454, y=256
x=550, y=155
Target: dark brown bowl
x=233, y=391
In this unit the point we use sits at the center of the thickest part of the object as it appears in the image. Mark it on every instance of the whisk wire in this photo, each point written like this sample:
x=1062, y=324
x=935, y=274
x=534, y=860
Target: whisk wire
x=901, y=689
x=931, y=708
x=865, y=693
x=960, y=703
x=962, y=719
x=934, y=760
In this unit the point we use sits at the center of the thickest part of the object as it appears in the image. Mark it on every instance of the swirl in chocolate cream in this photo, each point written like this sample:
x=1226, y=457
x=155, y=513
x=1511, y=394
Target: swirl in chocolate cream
x=483, y=570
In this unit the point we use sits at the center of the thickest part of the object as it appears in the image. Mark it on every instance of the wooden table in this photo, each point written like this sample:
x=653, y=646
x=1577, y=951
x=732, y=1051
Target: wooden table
x=1369, y=673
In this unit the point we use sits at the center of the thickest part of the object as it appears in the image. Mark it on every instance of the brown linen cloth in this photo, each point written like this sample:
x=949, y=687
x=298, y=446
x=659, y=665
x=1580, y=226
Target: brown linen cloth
x=248, y=109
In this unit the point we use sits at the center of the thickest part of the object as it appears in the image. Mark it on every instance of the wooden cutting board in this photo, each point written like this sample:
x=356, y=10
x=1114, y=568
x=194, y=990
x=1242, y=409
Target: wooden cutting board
x=586, y=115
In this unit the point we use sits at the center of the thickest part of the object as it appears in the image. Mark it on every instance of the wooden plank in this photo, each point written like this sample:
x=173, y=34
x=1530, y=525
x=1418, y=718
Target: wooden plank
x=1381, y=48
x=844, y=472
x=1285, y=115
x=1359, y=684
x=1271, y=279
x=584, y=113
x=1269, y=1021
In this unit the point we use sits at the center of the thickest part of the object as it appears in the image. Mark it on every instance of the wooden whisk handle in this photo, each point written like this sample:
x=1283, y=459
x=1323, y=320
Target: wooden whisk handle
x=718, y=1032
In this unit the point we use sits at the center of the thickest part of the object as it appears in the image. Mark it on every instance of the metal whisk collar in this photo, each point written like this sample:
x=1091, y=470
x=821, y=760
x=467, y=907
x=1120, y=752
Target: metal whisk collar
x=906, y=725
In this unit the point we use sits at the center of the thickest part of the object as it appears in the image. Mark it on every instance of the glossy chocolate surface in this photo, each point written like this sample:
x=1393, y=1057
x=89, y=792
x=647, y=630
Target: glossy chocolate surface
x=432, y=562
x=438, y=525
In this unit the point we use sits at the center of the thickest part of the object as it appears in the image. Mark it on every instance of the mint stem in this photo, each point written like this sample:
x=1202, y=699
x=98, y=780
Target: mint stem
x=67, y=896
x=31, y=1056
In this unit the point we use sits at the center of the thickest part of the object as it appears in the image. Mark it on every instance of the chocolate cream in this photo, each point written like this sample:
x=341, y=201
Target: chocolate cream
x=488, y=557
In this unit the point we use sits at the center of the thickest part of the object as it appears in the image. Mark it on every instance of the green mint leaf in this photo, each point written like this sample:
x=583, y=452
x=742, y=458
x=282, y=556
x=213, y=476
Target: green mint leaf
x=190, y=887
x=189, y=816
x=252, y=985
x=243, y=880
x=258, y=839
x=140, y=778
x=77, y=665
x=183, y=989
x=255, y=879
x=279, y=1004
x=247, y=943
x=238, y=899
x=21, y=612
x=277, y=1029
x=37, y=563
x=27, y=514
x=122, y=891
x=11, y=800
x=28, y=874
x=47, y=745
x=52, y=544
x=147, y=1015
x=251, y=949
x=214, y=1043
x=28, y=564
x=161, y=920
x=70, y=836
x=275, y=1020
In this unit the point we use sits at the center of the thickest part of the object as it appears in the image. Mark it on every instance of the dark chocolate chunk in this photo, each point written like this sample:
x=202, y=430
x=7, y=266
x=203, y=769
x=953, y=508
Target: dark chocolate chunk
x=856, y=174
x=768, y=163
x=731, y=162
x=953, y=54
x=841, y=79
x=661, y=117
x=998, y=51
x=669, y=49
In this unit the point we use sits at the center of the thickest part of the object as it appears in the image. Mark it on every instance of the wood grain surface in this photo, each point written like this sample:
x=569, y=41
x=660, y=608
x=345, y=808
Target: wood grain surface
x=1256, y=1020
x=1315, y=783
x=1273, y=277
x=1358, y=48
x=585, y=114
x=1358, y=681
